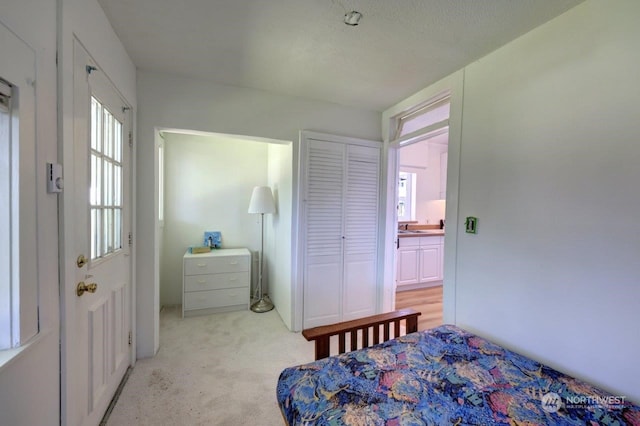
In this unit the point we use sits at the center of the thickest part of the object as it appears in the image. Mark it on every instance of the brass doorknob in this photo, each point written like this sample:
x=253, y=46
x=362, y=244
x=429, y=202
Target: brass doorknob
x=81, y=261
x=82, y=287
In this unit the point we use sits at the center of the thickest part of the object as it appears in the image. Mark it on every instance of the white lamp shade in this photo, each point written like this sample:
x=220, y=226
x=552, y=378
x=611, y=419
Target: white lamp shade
x=262, y=200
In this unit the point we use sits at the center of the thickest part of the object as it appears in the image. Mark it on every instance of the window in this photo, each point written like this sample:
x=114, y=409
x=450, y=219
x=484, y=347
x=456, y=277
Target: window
x=406, y=197
x=105, y=196
x=7, y=200
x=423, y=122
x=18, y=277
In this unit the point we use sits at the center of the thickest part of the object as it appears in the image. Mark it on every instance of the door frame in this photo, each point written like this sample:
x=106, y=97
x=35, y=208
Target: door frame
x=453, y=86
x=67, y=232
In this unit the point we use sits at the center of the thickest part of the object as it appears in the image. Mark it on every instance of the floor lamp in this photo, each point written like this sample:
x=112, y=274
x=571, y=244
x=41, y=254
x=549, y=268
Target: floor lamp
x=261, y=202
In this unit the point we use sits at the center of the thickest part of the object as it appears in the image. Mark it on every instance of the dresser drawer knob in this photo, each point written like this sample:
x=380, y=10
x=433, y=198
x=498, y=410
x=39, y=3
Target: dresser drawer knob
x=201, y=265
x=202, y=281
x=235, y=262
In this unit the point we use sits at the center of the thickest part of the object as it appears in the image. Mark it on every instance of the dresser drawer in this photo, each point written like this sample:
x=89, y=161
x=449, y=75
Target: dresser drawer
x=208, y=265
x=216, y=298
x=216, y=281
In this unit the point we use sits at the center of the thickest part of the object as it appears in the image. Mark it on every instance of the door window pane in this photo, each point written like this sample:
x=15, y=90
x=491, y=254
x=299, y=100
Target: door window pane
x=117, y=186
x=96, y=240
x=117, y=225
x=96, y=125
x=107, y=231
x=106, y=181
x=117, y=149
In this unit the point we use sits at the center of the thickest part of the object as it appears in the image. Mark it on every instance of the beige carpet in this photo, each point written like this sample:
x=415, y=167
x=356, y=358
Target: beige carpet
x=217, y=369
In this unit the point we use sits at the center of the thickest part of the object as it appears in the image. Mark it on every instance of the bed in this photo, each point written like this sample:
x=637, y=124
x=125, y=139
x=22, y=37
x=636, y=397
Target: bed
x=443, y=376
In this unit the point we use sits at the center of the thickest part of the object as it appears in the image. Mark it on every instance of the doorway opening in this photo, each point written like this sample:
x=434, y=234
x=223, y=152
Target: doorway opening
x=422, y=156
x=205, y=181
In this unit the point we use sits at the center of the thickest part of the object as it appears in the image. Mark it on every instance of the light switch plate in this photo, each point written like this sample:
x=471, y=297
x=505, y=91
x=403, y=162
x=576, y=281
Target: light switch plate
x=471, y=225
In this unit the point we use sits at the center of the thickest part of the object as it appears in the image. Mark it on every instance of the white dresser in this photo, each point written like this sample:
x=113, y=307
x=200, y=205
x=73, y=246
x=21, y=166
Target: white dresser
x=217, y=281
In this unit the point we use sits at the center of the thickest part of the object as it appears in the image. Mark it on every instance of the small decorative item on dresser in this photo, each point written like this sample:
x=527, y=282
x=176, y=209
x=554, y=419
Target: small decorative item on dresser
x=200, y=249
x=213, y=239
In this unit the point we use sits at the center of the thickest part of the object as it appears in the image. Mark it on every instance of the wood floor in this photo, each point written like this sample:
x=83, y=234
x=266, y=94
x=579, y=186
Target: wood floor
x=426, y=300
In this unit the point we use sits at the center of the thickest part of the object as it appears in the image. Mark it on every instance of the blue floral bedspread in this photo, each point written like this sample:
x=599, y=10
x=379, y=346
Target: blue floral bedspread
x=443, y=376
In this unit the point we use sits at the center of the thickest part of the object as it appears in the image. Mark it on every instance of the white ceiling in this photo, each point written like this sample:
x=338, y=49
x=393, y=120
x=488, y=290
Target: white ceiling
x=302, y=47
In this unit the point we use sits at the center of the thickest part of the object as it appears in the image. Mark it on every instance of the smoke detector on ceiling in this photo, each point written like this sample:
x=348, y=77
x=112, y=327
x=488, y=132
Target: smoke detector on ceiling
x=352, y=18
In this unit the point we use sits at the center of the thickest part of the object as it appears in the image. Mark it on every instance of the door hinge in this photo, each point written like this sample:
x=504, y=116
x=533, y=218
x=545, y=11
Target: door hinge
x=130, y=239
x=130, y=338
x=130, y=140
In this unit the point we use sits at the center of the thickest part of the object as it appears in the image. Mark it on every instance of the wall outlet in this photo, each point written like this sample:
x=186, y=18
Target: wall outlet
x=471, y=225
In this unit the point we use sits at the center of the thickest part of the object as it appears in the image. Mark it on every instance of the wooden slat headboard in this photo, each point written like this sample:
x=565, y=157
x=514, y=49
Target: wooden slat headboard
x=322, y=334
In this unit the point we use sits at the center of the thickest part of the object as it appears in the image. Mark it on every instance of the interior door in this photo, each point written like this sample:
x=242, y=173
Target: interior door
x=324, y=236
x=362, y=196
x=102, y=288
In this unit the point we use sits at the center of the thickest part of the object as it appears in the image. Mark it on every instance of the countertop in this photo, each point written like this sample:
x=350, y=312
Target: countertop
x=420, y=233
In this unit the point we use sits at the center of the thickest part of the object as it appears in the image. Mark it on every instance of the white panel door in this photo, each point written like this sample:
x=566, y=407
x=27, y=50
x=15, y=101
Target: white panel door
x=324, y=211
x=361, y=231
x=97, y=344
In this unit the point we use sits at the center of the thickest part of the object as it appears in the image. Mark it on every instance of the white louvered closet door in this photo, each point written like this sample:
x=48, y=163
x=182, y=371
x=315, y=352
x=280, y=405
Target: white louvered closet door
x=361, y=232
x=341, y=217
x=324, y=211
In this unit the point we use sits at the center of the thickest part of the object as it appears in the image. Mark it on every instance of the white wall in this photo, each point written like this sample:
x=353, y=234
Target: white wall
x=208, y=184
x=179, y=103
x=550, y=167
x=33, y=375
x=549, y=164
x=278, y=252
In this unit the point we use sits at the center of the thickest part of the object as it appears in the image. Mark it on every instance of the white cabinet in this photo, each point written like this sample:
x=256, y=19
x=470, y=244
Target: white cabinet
x=408, y=261
x=341, y=185
x=419, y=261
x=430, y=259
x=217, y=281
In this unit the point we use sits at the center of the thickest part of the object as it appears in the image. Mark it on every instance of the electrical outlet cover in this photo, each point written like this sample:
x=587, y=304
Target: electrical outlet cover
x=471, y=225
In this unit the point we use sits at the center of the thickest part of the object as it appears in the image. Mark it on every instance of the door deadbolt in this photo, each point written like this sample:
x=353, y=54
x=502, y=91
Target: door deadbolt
x=81, y=261
x=89, y=288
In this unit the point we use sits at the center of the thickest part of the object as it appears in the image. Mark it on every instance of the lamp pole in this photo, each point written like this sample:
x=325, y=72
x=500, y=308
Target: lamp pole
x=263, y=304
